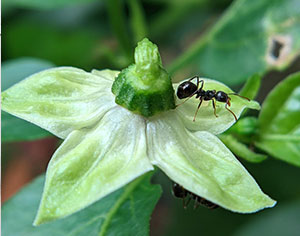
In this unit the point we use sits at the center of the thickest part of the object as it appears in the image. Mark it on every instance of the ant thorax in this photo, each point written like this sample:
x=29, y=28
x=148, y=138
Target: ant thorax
x=209, y=95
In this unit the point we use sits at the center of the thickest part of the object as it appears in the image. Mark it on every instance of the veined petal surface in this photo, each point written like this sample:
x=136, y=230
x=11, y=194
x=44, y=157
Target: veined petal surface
x=206, y=120
x=61, y=100
x=92, y=163
x=202, y=164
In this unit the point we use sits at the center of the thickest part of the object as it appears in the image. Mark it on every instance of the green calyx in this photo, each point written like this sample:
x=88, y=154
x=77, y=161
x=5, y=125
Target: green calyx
x=145, y=87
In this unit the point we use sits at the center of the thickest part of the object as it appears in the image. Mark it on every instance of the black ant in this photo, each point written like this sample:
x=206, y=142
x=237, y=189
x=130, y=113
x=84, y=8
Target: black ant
x=180, y=192
x=188, y=89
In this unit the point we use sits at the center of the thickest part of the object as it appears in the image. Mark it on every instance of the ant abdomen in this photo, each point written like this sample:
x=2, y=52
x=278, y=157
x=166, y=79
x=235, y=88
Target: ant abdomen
x=185, y=89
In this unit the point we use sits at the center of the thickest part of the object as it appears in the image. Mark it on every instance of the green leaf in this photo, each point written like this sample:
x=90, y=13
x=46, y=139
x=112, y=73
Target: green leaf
x=93, y=162
x=251, y=37
x=14, y=129
x=206, y=120
x=246, y=127
x=202, y=164
x=14, y=71
x=251, y=87
x=241, y=150
x=279, y=129
x=43, y=5
x=60, y=100
x=124, y=212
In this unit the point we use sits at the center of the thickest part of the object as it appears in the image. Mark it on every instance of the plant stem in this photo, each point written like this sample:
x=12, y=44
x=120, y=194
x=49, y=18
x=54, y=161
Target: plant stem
x=281, y=137
x=168, y=19
x=137, y=20
x=193, y=51
x=189, y=55
x=117, y=18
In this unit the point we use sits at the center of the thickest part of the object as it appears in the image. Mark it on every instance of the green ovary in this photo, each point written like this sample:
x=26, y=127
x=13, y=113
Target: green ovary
x=145, y=87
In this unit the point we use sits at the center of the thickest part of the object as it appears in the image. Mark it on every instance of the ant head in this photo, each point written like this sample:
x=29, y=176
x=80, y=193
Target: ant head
x=186, y=89
x=221, y=96
x=179, y=191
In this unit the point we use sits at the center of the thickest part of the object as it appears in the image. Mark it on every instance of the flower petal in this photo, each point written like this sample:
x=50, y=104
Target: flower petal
x=106, y=74
x=92, y=163
x=206, y=120
x=60, y=100
x=202, y=164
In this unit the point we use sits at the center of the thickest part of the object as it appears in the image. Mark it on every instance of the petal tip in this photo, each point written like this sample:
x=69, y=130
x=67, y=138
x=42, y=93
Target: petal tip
x=46, y=214
x=254, y=105
x=36, y=222
x=39, y=219
x=268, y=203
x=271, y=203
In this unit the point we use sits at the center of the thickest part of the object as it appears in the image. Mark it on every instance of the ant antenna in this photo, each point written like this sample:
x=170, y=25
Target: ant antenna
x=187, y=99
x=228, y=103
x=236, y=94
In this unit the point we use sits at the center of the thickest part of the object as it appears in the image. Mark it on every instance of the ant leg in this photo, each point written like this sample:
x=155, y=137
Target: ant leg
x=186, y=99
x=202, y=84
x=198, y=82
x=195, y=77
x=201, y=100
x=228, y=103
x=196, y=204
x=236, y=94
x=214, y=106
x=185, y=204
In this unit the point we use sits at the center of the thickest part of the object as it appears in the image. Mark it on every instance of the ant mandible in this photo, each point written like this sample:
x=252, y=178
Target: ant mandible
x=188, y=89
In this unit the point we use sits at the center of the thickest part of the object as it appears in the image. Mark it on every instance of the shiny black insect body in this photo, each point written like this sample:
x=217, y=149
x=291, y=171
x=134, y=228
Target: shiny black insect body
x=188, y=89
x=180, y=192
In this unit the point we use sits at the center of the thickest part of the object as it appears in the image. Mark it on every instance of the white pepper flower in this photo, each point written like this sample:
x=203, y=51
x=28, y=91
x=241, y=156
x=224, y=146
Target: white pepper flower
x=118, y=126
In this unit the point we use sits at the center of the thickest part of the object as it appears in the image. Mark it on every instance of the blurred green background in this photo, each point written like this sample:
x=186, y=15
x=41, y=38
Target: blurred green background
x=102, y=34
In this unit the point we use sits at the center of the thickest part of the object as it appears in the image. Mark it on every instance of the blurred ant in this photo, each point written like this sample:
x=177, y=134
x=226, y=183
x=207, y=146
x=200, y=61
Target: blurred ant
x=188, y=89
x=180, y=192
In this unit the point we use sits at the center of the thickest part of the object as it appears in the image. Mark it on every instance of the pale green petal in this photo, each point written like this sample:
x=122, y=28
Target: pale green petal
x=106, y=74
x=201, y=163
x=206, y=120
x=93, y=163
x=60, y=100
